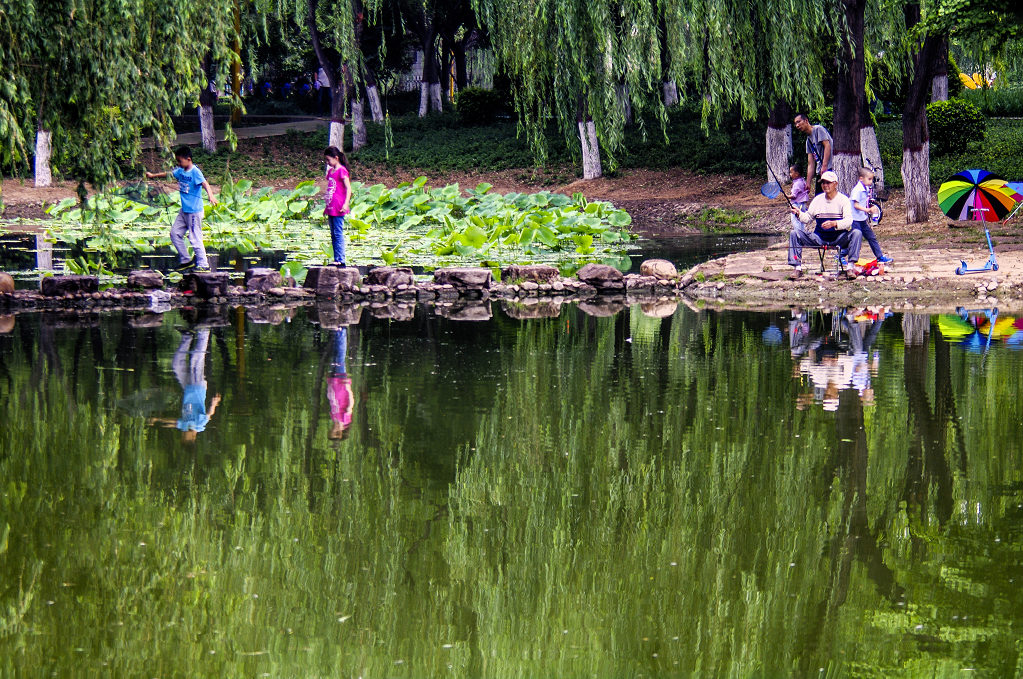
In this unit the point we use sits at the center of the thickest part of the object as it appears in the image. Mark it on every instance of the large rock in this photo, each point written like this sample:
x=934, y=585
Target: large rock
x=205, y=285
x=661, y=269
x=391, y=276
x=601, y=276
x=262, y=279
x=6, y=284
x=145, y=279
x=464, y=278
x=54, y=286
x=536, y=273
x=328, y=281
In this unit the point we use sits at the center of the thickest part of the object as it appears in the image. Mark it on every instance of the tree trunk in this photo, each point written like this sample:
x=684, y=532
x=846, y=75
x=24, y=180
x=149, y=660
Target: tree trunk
x=207, y=98
x=939, y=77
x=44, y=139
x=849, y=97
x=424, y=99
x=375, y=109
x=436, y=98
x=591, y=150
x=206, y=128
x=461, y=70
x=779, y=142
x=869, y=149
x=622, y=92
x=916, y=156
x=337, y=114
x=670, y=89
x=359, y=136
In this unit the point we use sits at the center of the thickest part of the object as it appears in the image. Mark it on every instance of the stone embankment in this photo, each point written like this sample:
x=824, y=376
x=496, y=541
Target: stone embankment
x=533, y=291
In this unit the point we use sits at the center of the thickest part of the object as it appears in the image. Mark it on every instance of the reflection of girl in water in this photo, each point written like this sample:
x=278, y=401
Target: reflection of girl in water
x=339, y=389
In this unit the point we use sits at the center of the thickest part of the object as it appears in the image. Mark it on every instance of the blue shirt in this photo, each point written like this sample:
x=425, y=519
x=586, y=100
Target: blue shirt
x=859, y=195
x=193, y=408
x=190, y=186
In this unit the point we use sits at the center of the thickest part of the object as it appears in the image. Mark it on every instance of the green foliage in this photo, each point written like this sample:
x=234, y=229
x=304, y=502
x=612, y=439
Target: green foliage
x=720, y=220
x=1001, y=101
x=409, y=224
x=98, y=74
x=955, y=84
x=954, y=125
x=823, y=115
x=477, y=106
x=999, y=153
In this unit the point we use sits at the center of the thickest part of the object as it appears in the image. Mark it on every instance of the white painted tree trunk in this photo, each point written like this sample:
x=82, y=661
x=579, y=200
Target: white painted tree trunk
x=871, y=153
x=375, y=109
x=44, y=253
x=206, y=129
x=847, y=167
x=424, y=99
x=44, y=139
x=337, y=135
x=916, y=176
x=359, y=137
x=670, y=89
x=939, y=87
x=779, y=143
x=591, y=150
x=435, y=98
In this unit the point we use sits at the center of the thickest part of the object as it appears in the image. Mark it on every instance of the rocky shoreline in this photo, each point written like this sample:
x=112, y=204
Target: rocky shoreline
x=534, y=291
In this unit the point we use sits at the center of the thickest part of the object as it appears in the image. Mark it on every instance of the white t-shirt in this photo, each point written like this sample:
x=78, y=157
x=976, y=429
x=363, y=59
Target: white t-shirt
x=859, y=195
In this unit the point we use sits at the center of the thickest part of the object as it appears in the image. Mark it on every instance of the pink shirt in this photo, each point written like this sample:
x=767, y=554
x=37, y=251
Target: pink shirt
x=800, y=192
x=336, y=191
x=339, y=396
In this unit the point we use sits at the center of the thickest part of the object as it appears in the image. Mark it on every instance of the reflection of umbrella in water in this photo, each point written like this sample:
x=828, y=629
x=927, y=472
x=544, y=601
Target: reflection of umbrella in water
x=772, y=336
x=969, y=330
x=981, y=196
x=148, y=402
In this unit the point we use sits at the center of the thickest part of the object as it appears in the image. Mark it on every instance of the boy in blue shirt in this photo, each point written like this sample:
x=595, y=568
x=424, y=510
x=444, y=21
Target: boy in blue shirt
x=191, y=182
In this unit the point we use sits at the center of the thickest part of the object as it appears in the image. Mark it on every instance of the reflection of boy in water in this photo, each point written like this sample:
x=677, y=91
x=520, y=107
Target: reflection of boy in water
x=339, y=389
x=189, y=366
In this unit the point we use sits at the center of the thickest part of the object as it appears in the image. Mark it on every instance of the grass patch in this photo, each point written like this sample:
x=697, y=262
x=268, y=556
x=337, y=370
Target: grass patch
x=718, y=220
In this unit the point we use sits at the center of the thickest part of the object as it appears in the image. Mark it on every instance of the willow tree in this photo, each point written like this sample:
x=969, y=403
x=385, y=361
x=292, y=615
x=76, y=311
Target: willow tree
x=750, y=57
x=572, y=61
x=93, y=75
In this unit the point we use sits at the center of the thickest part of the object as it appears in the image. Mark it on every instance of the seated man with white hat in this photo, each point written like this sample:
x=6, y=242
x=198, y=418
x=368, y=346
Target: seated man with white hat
x=832, y=215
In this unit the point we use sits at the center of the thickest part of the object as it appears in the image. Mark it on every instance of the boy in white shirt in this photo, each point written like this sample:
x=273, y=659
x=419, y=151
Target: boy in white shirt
x=862, y=211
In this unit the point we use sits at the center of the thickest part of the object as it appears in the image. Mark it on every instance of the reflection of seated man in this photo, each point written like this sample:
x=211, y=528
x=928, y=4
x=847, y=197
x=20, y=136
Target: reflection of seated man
x=189, y=366
x=859, y=348
x=831, y=213
x=339, y=389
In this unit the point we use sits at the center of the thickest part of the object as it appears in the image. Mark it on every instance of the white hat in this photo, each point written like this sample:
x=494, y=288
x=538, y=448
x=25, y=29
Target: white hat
x=829, y=176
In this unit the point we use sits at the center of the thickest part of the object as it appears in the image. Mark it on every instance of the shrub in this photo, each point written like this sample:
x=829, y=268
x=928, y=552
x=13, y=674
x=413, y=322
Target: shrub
x=954, y=125
x=825, y=115
x=477, y=106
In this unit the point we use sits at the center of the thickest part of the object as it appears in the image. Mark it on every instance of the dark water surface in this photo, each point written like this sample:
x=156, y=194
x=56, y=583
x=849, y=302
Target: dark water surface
x=708, y=494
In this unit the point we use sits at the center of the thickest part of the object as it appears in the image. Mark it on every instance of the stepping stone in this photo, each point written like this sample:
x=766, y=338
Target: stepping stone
x=54, y=286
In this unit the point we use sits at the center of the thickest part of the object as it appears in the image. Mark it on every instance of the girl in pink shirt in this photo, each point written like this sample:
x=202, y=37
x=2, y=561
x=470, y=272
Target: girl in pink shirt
x=339, y=193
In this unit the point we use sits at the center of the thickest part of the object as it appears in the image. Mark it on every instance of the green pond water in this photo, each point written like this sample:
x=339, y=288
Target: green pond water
x=707, y=494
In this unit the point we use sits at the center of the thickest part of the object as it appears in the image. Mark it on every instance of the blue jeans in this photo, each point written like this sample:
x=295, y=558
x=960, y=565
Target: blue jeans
x=337, y=236
x=337, y=367
x=868, y=235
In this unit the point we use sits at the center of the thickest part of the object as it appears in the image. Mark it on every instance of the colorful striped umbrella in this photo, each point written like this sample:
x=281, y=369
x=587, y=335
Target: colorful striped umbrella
x=976, y=194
